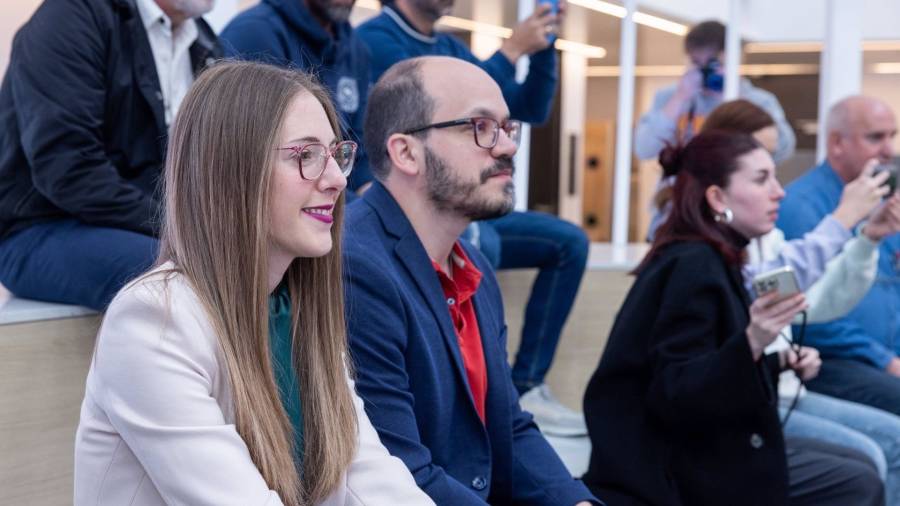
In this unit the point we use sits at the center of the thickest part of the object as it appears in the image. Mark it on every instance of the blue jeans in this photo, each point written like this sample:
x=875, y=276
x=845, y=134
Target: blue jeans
x=869, y=430
x=559, y=249
x=70, y=262
x=856, y=381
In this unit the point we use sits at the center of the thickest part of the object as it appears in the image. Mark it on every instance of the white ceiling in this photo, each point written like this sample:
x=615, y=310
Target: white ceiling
x=783, y=20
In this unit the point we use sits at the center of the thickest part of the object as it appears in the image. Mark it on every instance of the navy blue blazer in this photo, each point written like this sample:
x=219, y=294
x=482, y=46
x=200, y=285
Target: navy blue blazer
x=411, y=376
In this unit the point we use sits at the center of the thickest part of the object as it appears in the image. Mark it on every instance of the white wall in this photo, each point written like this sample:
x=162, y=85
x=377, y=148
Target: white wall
x=13, y=14
x=780, y=20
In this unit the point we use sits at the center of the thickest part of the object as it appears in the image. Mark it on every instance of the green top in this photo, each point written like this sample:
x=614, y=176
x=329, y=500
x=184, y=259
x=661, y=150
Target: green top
x=282, y=363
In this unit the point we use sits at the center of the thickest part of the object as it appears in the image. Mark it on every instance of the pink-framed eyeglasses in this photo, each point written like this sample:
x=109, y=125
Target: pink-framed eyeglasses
x=312, y=158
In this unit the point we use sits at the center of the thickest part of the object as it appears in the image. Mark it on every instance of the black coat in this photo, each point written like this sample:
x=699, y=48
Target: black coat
x=82, y=125
x=678, y=412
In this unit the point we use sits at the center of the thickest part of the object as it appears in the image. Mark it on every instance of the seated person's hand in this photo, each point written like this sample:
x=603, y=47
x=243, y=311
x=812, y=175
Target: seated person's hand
x=689, y=85
x=893, y=367
x=885, y=220
x=768, y=317
x=806, y=365
x=861, y=196
x=563, y=9
x=530, y=36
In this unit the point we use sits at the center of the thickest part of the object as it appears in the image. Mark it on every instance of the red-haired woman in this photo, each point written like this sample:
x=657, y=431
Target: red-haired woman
x=682, y=409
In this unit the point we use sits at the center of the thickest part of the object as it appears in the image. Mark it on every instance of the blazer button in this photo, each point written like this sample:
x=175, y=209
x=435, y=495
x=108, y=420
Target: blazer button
x=756, y=441
x=479, y=483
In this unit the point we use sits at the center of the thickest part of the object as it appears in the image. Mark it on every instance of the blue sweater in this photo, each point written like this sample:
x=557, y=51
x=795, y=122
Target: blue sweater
x=284, y=32
x=391, y=39
x=870, y=332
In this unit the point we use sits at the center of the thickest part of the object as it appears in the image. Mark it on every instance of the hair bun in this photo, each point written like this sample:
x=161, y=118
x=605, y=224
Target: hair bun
x=671, y=158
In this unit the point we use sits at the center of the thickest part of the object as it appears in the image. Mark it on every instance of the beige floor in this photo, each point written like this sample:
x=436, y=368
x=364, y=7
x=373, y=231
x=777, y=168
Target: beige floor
x=584, y=336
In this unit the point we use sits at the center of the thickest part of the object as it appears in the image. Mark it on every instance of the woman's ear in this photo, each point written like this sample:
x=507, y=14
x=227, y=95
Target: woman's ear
x=405, y=152
x=716, y=199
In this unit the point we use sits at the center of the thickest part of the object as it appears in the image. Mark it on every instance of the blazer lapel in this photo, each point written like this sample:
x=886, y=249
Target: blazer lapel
x=413, y=257
x=415, y=260
x=498, y=425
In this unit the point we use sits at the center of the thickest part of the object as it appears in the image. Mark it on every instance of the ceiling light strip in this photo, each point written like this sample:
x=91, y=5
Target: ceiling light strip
x=814, y=46
x=475, y=26
x=641, y=18
x=886, y=68
x=770, y=69
x=585, y=50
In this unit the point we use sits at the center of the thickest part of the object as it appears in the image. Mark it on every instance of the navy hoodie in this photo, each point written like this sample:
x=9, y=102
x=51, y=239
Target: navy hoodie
x=391, y=38
x=284, y=32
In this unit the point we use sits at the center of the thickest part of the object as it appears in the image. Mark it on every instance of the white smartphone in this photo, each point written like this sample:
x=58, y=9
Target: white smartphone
x=781, y=280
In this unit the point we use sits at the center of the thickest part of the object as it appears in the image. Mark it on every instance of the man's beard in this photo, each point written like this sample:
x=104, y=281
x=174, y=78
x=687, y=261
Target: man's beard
x=433, y=9
x=451, y=194
x=193, y=8
x=333, y=13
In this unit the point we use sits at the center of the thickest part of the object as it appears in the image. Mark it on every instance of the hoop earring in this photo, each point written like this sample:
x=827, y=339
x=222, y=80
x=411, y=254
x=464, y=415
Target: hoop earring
x=725, y=216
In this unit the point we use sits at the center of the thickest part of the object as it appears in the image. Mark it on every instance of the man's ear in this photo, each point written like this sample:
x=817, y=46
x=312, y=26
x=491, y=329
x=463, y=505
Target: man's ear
x=715, y=198
x=405, y=152
x=834, y=145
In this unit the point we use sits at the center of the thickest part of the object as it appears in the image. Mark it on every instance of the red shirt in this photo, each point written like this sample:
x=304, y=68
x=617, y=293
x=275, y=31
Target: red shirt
x=458, y=292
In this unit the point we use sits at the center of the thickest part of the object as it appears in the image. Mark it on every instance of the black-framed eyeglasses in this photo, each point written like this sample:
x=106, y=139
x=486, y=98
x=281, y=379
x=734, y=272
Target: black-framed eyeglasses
x=485, y=130
x=312, y=158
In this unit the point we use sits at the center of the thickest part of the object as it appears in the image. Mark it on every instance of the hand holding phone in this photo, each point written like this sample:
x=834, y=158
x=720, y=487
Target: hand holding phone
x=554, y=10
x=768, y=317
x=783, y=281
x=891, y=170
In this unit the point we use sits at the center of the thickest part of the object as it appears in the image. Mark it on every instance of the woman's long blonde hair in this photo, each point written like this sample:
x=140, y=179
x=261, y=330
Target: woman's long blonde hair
x=218, y=182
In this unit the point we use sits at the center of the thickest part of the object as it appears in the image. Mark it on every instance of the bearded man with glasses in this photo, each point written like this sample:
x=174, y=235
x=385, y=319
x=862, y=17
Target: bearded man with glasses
x=520, y=239
x=424, y=312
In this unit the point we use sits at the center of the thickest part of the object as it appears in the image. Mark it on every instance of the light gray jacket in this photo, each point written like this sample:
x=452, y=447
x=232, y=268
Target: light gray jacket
x=157, y=423
x=655, y=129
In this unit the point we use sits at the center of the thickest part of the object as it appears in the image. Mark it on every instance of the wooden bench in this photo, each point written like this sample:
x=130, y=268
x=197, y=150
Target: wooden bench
x=45, y=352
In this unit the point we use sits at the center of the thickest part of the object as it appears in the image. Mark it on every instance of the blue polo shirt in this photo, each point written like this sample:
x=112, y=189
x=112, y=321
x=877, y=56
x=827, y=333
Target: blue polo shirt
x=869, y=333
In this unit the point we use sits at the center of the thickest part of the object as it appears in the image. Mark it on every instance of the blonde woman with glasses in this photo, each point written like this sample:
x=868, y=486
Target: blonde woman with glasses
x=220, y=377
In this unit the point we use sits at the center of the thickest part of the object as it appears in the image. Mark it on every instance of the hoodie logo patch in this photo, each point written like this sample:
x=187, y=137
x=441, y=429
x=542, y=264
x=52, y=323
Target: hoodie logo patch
x=347, y=96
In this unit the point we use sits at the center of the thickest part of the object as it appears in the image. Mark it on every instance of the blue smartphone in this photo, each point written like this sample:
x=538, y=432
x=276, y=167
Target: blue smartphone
x=554, y=9
x=554, y=5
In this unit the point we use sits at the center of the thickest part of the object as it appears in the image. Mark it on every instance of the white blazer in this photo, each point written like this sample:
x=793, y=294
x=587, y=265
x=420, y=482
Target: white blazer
x=157, y=423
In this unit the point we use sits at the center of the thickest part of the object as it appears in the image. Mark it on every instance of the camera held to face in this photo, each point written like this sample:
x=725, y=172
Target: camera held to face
x=712, y=78
x=892, y=169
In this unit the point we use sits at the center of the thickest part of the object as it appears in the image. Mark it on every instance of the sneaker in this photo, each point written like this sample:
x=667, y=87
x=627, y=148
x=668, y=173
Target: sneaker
x=550, y=415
